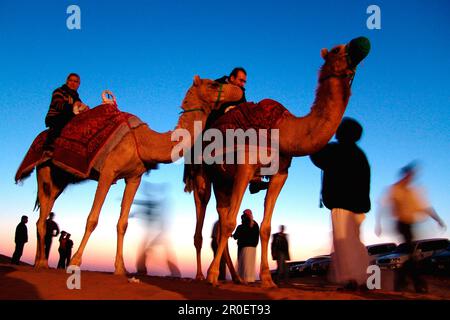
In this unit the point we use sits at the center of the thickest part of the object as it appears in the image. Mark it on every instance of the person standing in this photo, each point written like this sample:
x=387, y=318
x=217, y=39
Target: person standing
x=345, y=191
x=21, y=237
x=247, y=236
x=408, y=206
x=52, y=230
x=69, y=246
x=280, y=253
x=62, y=250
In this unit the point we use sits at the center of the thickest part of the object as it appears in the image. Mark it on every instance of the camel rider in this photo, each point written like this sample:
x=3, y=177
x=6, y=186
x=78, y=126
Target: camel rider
x=238, y=77
x=65, y=104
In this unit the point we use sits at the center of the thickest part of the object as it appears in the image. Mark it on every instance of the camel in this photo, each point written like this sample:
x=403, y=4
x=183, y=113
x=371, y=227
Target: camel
x=128, y=160
x=298, y=136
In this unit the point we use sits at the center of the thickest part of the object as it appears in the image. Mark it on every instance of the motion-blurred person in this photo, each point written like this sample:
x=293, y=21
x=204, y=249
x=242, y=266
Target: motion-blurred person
x=408, y=206
x=280, y=253
x=247, y=236
x=345, y=191
x=154, y=213
x=20, y=238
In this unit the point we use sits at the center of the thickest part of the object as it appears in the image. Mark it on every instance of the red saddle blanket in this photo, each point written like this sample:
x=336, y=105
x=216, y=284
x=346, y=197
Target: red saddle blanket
x=84, y=142
x=262, y=115
x=265, y=114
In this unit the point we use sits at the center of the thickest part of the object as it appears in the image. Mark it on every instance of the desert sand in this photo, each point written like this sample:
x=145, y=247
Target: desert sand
x=23, y=282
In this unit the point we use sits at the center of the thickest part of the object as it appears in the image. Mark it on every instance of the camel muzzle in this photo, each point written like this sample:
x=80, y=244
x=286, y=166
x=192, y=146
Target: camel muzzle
x=357, y=50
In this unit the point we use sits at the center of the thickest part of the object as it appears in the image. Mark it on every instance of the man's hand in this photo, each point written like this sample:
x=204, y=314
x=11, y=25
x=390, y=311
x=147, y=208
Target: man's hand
x=79, y=107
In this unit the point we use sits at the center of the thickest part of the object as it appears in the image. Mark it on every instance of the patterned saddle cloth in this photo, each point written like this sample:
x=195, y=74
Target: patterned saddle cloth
x=84, y=142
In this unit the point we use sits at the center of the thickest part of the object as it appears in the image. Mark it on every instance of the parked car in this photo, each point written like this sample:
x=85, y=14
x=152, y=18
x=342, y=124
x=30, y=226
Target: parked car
x=321, y=265
x=378, y=250
x=422, y=248
x=315, y=261
x=295, y=268
x=438, y=263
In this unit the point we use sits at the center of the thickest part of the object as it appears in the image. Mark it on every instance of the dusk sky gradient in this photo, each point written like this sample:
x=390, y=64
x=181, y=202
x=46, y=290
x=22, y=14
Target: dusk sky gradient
x=147, y=53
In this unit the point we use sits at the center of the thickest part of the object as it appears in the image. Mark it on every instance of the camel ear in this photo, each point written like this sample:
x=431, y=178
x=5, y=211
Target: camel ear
x=324, y=53
x=197, y=80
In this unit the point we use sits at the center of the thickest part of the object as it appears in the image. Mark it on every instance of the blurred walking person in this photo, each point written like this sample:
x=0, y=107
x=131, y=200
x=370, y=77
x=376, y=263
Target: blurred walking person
x=408, y=206
x=280, y=253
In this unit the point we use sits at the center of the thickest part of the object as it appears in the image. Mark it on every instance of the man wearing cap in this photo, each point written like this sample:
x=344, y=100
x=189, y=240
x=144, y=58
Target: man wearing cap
x=345, y=191
x=247, y=236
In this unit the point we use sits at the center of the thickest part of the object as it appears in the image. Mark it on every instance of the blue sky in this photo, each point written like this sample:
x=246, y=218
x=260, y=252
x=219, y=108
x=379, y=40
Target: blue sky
x=147, y=53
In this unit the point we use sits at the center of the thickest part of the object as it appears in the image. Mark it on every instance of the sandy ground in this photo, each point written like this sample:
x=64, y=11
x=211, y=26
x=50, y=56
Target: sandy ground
x=25, y=283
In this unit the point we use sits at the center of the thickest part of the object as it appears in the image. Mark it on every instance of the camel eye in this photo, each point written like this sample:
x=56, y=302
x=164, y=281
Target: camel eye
x=335, y=50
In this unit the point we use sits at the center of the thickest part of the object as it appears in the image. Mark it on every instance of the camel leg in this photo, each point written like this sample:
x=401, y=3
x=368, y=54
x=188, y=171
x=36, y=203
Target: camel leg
x=243, y=175
x=276, y=184
x=47, y=194
x=131, y=186
x=236, y=278
x=202, y=194
x=104, y=183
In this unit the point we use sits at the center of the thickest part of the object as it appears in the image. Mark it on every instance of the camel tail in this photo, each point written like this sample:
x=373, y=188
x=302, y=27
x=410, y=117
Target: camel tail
x=188, y=178
x=37, y=205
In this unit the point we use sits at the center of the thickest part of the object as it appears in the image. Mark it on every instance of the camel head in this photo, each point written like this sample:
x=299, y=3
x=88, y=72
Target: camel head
x=342, y=60
x=208, y=95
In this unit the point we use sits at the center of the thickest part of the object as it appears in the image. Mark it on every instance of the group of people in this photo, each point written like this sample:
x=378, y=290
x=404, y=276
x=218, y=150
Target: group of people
x=345, y=191
x=52, y=230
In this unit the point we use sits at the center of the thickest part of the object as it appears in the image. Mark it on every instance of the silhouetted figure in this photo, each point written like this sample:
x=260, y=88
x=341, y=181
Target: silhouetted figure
x=20, y=238
x=280, y=253
x=247, y=236
x=408, y=206
x=62, y=250
x=52, y=230
x=214, y=245
x=154, y=215
x=69, y=246
x=345, y=191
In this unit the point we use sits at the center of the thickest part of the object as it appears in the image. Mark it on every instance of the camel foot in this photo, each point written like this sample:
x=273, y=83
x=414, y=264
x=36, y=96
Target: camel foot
x=266, y=281
x=238, y=280
x=120, y=269
x=41, y=264
x=199, y=277
x=212, y=278
x=268, y=284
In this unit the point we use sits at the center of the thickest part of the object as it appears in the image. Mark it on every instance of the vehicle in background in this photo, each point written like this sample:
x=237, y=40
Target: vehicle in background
x=422, y=250
x=321, y=265
x=378, y=250
x=438, y=263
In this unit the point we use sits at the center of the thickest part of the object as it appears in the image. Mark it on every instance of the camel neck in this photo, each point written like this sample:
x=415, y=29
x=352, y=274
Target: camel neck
x=306, y=135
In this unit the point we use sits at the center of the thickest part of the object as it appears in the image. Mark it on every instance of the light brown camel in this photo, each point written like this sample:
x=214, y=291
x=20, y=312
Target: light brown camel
x=297, y=137
x=128, y=160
